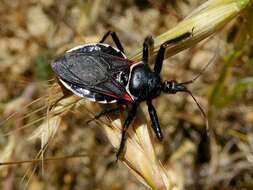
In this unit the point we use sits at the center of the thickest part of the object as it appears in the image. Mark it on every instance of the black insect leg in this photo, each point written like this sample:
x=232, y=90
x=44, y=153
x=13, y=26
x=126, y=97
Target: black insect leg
x=115, y=40
x=159, y=59
x=179, y=38
x=154, y=119
x=161, y=51
x=104, y=112
x=147, y=46
x=131, y=114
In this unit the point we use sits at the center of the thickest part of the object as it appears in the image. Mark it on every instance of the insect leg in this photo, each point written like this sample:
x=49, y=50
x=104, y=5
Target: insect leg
x=147, y=46
x=179, y=38
x=155, y=122
x=102, y=113
x=161, y=51
x=115, y=40
x=131, y=114
x=159, y=59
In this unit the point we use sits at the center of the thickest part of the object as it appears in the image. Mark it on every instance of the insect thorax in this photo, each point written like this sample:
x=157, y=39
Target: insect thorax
x=144, y=84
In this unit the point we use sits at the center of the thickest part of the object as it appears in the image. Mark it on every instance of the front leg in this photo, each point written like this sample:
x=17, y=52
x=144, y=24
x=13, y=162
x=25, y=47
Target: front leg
x=131, y=114
x=103, y=112
x=148, y=46
x=161, y=51
x=154, y=119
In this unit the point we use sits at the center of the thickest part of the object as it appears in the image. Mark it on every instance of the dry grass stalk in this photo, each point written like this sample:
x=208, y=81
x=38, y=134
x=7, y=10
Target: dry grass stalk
x=203, y=21
x=140, y=156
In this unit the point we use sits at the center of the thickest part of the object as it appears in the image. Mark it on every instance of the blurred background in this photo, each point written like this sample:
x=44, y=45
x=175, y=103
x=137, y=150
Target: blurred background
x=34, y=32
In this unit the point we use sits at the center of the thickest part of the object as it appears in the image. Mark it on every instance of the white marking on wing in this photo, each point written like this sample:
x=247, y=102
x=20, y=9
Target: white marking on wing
x=94, y=44
x=86, y=92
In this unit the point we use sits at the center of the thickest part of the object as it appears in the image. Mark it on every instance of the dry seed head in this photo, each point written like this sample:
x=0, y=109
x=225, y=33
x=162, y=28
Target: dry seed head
x=140, y=156
x=47, y=130
x=203, y=22
x=7, y=152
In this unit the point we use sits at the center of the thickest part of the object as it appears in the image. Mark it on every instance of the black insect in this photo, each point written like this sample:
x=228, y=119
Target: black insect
x=103, y=74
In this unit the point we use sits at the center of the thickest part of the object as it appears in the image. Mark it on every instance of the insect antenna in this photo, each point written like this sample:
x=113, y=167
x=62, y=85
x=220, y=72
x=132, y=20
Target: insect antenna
x=212, y=60
x=201, y=110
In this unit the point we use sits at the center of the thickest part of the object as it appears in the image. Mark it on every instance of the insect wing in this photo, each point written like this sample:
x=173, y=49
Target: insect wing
x=95, y=71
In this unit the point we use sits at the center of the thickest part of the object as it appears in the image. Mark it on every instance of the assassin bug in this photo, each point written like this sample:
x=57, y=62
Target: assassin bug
x=103, y=74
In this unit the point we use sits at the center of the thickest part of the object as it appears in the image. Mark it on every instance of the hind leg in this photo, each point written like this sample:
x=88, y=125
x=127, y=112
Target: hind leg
x=115, y=39
x=104, y=112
